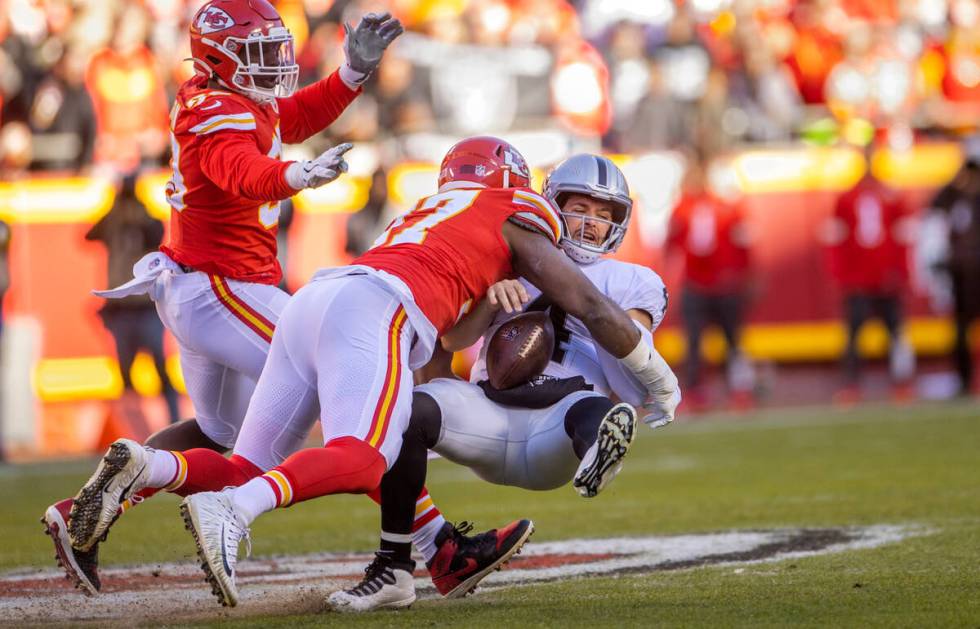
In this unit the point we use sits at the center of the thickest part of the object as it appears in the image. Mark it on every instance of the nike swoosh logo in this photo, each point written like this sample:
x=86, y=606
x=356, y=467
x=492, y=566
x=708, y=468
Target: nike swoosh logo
x=224, y=557
x=466, y=570
x=126, y=489
x=216, y=103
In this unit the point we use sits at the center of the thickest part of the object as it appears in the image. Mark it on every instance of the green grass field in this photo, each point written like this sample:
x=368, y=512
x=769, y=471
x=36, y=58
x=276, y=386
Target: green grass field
x=917, y=465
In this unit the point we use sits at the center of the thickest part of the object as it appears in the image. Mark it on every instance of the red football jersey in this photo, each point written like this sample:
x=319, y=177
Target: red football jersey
x=450, y=249
x=714, y=239
x=868, y=239
x=227, y=176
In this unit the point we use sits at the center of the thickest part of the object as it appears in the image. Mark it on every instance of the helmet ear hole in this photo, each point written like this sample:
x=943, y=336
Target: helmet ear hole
x=560, y=199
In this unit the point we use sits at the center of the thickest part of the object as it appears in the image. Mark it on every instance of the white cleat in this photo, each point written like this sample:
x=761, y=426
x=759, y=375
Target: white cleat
x=218, y=529
x=386, y=585
x=604, y=459
x=121, y=473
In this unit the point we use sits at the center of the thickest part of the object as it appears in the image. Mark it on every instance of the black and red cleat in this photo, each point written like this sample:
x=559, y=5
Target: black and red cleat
x=81, y=566
x=462, y=562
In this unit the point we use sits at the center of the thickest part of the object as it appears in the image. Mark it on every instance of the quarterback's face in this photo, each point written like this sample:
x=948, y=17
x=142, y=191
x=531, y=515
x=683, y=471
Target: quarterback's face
x=578, y=209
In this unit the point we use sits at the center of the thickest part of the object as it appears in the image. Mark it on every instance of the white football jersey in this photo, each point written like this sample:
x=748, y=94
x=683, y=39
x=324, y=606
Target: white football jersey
x=631, y=286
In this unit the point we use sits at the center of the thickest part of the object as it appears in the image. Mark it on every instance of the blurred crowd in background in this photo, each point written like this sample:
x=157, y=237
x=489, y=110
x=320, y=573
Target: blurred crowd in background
x=87, y=83
x=86, y=86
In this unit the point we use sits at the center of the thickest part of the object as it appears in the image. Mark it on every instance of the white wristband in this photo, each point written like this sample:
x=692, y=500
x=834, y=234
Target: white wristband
x=650, y=368
x=351, y=77
x=294, y=176
x=638, y=358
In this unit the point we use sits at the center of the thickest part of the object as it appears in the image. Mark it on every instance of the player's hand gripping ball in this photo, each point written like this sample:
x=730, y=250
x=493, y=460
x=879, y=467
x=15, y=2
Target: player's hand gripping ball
x=520, y=349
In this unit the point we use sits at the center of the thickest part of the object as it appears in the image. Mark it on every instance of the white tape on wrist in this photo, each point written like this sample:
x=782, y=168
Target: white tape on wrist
x=649, y=367
x=351, y=77
x=294, y=176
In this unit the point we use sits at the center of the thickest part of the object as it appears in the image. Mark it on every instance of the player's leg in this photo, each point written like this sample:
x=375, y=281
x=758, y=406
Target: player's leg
x=740, y=374
x=455, y=418
x=456, y=562
x=693, y=312
x=612, y=429
x=282, y=410
x=359, y=344
x=901, y=356
x=856, y=311
x=962, y=318
x=223, y=329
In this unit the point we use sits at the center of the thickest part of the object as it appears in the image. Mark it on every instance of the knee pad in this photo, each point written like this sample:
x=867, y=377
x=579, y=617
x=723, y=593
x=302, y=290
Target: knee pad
x=426, y=421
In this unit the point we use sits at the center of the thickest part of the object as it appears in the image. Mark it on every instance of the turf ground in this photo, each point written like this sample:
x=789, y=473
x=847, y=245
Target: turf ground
x=916, y=466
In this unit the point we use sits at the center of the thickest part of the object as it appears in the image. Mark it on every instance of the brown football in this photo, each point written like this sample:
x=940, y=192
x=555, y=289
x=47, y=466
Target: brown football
x=520, y=349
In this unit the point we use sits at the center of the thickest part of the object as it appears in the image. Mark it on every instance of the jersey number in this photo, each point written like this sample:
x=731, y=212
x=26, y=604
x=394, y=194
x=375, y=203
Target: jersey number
x=558, y=319
x=412, y=228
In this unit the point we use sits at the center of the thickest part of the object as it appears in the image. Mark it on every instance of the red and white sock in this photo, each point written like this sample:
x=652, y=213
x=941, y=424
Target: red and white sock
x=345, y=465
x=166, y=467
x=428, y=523
x=258, y=496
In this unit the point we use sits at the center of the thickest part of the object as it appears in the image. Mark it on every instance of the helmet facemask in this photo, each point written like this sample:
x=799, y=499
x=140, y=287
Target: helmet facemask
x=267, y=66
x=577, y=245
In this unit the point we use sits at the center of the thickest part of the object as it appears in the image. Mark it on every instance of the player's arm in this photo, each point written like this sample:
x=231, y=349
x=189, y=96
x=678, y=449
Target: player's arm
x=537, y=259
x=314, y=108
x=232, y=160
x=507, y=295
x=645, y=296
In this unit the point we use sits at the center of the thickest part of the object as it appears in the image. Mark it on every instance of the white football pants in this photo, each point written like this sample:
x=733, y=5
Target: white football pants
x=223, y=328
x=506, y=445
x=342, y=345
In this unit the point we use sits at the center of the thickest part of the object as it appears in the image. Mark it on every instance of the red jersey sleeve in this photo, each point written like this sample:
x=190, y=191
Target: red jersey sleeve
x=314, y=108
x=233, y=162
x=536, y=213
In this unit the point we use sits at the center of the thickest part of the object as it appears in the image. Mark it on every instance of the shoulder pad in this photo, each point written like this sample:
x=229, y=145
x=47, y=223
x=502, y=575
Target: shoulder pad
x=537, y=213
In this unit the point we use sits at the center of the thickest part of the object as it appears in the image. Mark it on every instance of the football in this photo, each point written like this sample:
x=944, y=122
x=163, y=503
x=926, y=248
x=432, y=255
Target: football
x=520, y=349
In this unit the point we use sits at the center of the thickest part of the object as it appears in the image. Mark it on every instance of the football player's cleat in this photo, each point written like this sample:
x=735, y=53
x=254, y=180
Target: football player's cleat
x=218, y=530
x=122, y=472
x=461, y=562
x=604, y=459
x=387, y=584
x=81, y=566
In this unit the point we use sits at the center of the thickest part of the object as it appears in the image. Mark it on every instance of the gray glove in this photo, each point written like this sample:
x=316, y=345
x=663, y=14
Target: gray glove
x=322, y=170
x=365, y=44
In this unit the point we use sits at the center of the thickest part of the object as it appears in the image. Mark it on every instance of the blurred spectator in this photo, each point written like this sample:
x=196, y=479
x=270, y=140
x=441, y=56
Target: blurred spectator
x=365, y=226
x=129, y=233
x=815, y=48
x=868, y=238
x=958, y=207
x=129, y=96
x=712, y=235
x=18, y=71
x=659, y=121
x=62, y=118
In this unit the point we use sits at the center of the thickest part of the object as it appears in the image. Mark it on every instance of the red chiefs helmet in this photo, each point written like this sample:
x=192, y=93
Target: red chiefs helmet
x=486, y=160
x=245, y=46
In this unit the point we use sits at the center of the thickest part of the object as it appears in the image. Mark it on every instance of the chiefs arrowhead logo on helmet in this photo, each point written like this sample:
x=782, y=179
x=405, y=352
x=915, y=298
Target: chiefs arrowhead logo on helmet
x=213, y=19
